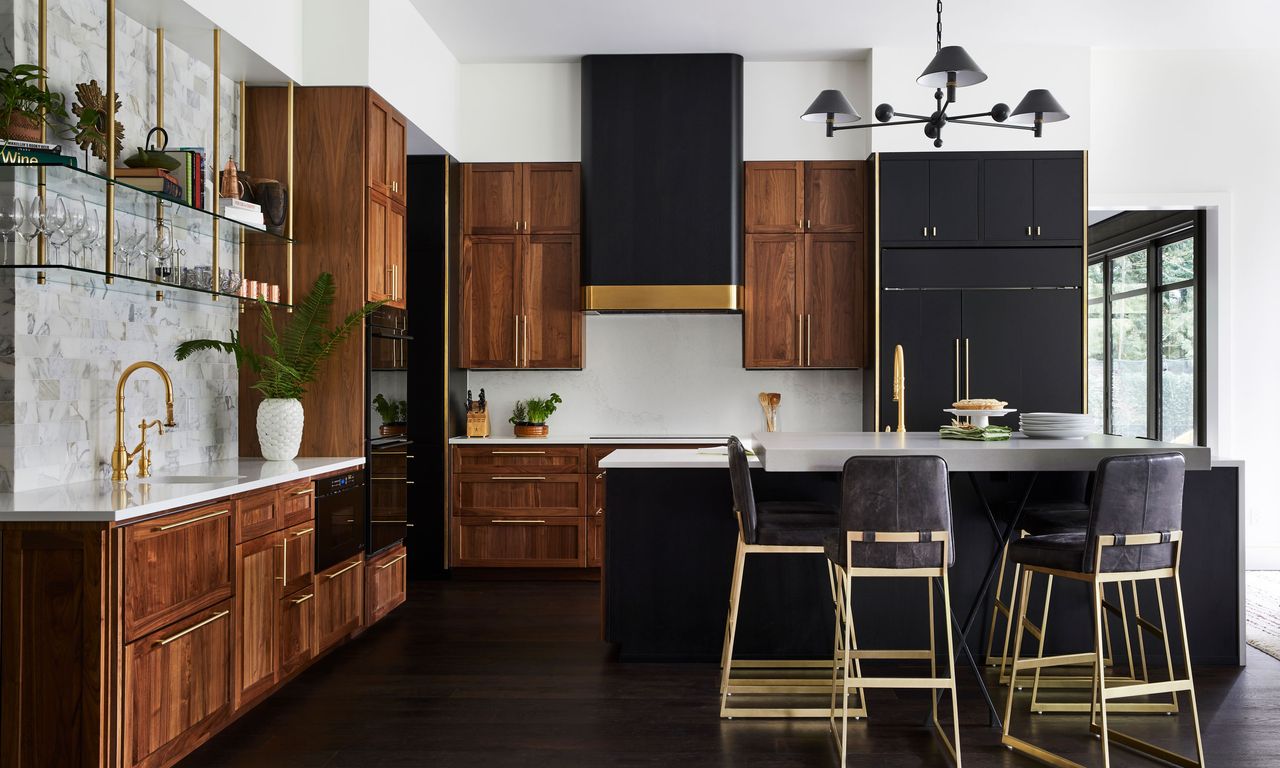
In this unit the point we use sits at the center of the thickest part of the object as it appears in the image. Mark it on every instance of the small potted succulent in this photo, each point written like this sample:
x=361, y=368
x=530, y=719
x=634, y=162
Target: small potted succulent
x=530, y=416
x=24, y=104
x=394, y=414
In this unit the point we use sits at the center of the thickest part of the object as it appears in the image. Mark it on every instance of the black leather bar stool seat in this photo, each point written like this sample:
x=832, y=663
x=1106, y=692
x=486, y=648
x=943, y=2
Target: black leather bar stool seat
x=771, y=527
x=1063, y=516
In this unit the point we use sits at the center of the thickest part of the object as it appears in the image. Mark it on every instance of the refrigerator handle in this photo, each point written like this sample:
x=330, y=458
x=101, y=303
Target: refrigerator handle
x=966, y=369
x=955, y=358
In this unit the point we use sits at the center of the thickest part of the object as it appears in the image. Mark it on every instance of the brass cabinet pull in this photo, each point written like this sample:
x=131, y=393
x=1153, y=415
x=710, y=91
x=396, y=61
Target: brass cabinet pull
x=808, y=223
x=1037, y=230
x=924, y=231
x=1028, y=230
x=955, y=358
x=336, y=574
x=304, y=491
x=303, y=599
x=408, y=482
x=302, y=532
x=385, y=566
x=800, y=339
x=515, y=337
x=194, y=627
x=284, y=562
x=600, y=476
x=515, y=225
x=392, y=522
x=934, y=233
x=376, y=477
x=519, y=453
x=408, y=455
x=600, y=511
x=525, y=318
x=518, y=477
x=966, y=368
x=808, y=338
x=201, y=518
x=518, y=522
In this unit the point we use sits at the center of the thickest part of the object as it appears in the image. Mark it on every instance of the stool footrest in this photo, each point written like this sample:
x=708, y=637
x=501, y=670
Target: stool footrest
x=1054, y=661
x=1146, y=689
x=1145, y=747
x=782, y=663
x=1043, y=755
x=802, y=687
x=901, y=682
x=780, y=712
x=891, y=655
x=1120, y=707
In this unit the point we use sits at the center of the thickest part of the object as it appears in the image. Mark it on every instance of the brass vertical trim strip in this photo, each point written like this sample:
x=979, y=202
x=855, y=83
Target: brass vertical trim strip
x=241, y=95
x=875, y=405
x=1084, y=286
x=288, y=222
x=110, y=223
x=159, y=114
x=213, y=159
x=43, y=59
x=444, y=424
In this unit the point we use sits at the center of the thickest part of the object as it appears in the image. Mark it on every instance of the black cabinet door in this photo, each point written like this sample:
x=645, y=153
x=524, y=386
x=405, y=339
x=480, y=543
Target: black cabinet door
x=1059, y=199
x=1024, y=346
x=904, y=200
x=953, y=200
x=928, y=326
x=1007, y=211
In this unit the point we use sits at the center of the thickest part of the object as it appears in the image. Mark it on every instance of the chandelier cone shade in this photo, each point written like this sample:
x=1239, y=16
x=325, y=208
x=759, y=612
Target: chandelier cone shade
x=952, y=58
x=1038, y=101
x=831, y=102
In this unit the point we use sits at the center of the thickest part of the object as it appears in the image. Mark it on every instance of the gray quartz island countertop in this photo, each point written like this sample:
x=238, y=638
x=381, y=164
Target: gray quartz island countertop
x=827, y=452
x=166, y=489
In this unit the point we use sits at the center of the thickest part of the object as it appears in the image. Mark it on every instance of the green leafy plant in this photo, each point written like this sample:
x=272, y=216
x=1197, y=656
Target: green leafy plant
x=21, y=95
x=391, y=411
x=534, y=410
x=296, y=353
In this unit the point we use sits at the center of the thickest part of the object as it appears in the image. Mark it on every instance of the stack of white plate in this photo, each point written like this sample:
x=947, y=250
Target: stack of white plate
x=1056, y=426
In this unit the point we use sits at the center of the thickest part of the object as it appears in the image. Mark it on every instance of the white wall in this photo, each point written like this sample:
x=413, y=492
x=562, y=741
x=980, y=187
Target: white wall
x=776, y=93
x=529, y=112
x=411, y=68
x=1141, y=151
x=673, y=375
x=273, y=29
x=1011, y=73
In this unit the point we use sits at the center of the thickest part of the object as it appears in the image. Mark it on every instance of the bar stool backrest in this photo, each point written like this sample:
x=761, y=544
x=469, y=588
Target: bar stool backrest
x=744, y=499
x=896, y=494
x=1135, y=495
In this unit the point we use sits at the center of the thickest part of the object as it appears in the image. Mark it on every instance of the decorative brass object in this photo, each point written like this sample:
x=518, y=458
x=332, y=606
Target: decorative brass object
x=91, y=108
x=230, y=186
x=122, y=457
x=900, y=387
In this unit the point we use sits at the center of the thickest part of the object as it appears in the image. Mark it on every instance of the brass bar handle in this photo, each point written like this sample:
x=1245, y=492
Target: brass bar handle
x=808, y=337
x=518, y=477
x=193, y=520
x=387, y=565
x=1028, y=230
x=800, y=339
x=194, y=627
x=955, y=358
x=336, y=574
x=515, y=335
x=519, y=453
x=519, y=522
x=302, y=532
x=384, y=477
x=526, y=338
x=303, y=599
x=1037, y=230
x=304, y=491
x=924, y=231
x=934, y=233
x=284, y=562
x=600, y=511
x=966, y=368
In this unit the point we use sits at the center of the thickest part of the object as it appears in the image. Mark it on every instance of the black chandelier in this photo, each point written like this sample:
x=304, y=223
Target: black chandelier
x=951, y=68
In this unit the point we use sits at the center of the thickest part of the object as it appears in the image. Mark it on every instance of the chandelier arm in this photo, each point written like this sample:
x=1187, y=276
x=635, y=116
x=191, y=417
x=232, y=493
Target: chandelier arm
x=878, y=125
x=992, y=125
x=958, y=118
x=914, y=118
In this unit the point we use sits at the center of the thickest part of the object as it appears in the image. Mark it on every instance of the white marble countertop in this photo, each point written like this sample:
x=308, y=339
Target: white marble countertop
x=555, y=439
x=827, y=452
x=103, y=501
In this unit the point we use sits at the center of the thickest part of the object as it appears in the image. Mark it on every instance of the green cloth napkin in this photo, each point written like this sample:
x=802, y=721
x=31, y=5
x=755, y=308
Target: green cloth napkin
x=970, y=432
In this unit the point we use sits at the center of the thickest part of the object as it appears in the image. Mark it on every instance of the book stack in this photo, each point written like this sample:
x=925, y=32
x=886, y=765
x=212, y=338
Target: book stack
x=14, y=152
x=190, y=174
x=156, y=180
x=242, y=211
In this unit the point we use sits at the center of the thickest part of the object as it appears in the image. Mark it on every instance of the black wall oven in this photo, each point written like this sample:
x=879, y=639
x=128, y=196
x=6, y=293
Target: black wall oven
x=340, y=518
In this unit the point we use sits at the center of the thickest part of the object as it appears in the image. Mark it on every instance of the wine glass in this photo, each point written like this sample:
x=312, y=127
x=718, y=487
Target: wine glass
x=77, y=214
x=90, y=236
x=56, y=227
x=10, y=220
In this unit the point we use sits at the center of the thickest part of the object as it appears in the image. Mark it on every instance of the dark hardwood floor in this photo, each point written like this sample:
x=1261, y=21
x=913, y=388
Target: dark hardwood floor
x=513, y=674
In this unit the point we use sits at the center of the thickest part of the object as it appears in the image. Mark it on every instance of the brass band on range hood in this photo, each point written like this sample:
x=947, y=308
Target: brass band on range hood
x=660, y=297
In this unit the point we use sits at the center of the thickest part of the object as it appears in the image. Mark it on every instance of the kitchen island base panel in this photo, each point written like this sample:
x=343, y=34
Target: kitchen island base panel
x=669, y=558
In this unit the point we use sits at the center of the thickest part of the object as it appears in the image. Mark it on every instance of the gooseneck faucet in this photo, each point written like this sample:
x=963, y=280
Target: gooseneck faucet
x=900, y=387
x=122, y=457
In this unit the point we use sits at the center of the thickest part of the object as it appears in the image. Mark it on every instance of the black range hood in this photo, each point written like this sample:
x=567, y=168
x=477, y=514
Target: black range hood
x=662, y=183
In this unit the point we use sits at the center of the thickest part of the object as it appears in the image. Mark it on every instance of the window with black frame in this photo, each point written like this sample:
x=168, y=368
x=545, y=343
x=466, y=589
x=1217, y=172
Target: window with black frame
x=1145, y=324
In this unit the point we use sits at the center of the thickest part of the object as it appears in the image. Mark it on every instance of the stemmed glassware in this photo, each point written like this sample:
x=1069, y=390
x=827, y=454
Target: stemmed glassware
x=11, y=218
x=77, y=214
x=56, y=227
x=90, y=236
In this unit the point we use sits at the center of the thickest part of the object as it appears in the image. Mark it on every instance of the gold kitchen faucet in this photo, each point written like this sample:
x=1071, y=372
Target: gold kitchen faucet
x=900, y=387
x=122, y=457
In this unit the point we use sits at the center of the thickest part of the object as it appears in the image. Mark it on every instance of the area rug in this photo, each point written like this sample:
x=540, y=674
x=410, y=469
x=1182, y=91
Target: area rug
x=1262, y=611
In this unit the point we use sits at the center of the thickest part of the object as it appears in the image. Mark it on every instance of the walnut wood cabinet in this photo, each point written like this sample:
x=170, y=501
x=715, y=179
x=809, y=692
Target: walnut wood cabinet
x=385, y=250
x=385, y=583
x=386, y=131
x=521, y=287
x=128, y=645
x=807, y=295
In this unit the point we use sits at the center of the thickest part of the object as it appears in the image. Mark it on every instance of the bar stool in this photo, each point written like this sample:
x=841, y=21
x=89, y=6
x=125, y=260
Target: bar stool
x=895, y=522
x=1134, y=534
x=772, y=527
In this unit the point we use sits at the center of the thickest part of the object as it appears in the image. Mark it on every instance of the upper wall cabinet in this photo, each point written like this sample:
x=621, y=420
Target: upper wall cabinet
x=787, y=197
x=992, y=198
x=521, y=198
x=385, y=148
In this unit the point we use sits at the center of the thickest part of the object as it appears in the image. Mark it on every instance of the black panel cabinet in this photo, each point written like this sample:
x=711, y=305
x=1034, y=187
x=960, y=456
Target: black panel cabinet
x=953, y=200
x=904, y=201
x=1033, y=200
x=928, y=325
x=1059, y=199
x=929, y=201
x=1007, y=207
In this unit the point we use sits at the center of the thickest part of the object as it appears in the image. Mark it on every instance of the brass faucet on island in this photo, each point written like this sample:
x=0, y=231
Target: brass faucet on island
x=899, y=388
x=122, y=457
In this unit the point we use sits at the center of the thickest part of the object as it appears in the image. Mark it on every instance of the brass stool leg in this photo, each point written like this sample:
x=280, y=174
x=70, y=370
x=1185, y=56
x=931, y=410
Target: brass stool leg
x=1100, y=671
x=1020, y=617
x=735, y=593
x=1186, y=655
x=951, y=667
x=1000, y=608
x=1164, y=635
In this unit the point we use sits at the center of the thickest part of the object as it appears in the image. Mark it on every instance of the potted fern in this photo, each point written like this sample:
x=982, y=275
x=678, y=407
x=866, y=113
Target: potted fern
x=530, y=416
x=394, y=415
x=292, y=362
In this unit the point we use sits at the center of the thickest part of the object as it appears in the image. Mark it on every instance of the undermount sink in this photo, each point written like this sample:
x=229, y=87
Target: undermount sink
x=191, y=479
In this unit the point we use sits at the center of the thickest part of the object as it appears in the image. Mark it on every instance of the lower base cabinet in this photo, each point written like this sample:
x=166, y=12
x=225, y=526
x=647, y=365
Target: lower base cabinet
x=385, y=579
x=550, y=542
x=297, y=644
x=339, y=602
x=255, y=622
x=177, y=687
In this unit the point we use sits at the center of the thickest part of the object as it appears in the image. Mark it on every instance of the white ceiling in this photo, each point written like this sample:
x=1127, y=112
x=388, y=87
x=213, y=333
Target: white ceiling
x=563, y=30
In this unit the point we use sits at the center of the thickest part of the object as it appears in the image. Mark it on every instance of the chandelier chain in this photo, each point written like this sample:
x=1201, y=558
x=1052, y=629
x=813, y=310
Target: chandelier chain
x=939, y=41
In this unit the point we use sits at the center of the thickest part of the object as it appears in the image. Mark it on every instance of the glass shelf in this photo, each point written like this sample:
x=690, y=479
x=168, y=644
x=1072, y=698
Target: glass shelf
x=53, y=269
x=75, y=183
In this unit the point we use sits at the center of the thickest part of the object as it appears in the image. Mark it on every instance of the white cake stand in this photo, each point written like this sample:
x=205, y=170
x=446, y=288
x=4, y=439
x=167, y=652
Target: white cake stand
x=979, y=418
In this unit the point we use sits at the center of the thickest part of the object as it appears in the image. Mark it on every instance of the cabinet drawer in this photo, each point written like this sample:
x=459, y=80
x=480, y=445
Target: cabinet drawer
x=982, y=268
x=385, y=578
x=519, y=495
x=297, y=644
x=257, y=514
x=524, y=543
x=174, y=565
x=339, y=601
x=299, y=553
x=518, y=459
x=177, y=686
x=297, y=503
x=597, y=452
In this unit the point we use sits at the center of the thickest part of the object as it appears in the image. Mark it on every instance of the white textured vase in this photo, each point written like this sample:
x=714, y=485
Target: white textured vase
x=280, y=428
